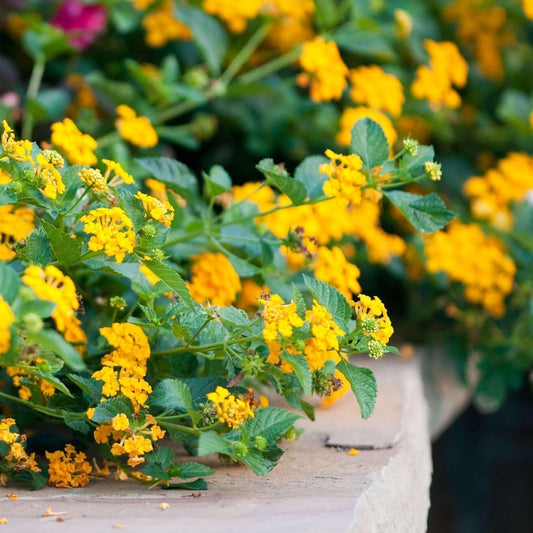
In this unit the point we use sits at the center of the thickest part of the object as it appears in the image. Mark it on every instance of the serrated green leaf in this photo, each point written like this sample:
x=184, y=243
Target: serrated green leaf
x=298, y=299
x=172, y=280
x=217, y=181
x=162, y=456
x=76, y=422
x=175, y=175
x=66, y=249
x=279, y=178
x=92, y=387
x=259, y=464
x=190, y=470
x=363, y=384
x=211, y=442
x=197, y=484
x=208, y=34
x=271, y=423
x=172, y=394
x=426, y=213
x=232, y=316
x=56, y=343
x=55, y=382
x=37, y=250
x=369, y=143
x=201, y=387
x=331, y=299
x=243, y=268
x=301, y=369
x=112, y=407
x=309, y=174
x=414, y=164
x=9, y=283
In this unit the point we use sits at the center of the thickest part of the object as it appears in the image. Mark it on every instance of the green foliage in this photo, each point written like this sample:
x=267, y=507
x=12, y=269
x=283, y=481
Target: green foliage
x=369, y=143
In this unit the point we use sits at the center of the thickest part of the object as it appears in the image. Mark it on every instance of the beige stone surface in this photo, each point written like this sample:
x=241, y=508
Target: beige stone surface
x=315, y=488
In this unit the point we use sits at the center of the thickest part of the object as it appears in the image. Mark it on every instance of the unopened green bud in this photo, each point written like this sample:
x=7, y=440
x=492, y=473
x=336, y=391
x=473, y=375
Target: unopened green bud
x=158, y=255
x=212, y=312
x=410, y=146
x=54, y=158
x=117, y=302
x=434, y=170
x=375, y=349
x=196, y=77
x=204, y=126
x=370, y=325
x=149, y=230
x=16, y=187
x=26, y=293
x=299, y=345
x=33, y=323
x=260, y=442
x=291, y=434
x=241, y=448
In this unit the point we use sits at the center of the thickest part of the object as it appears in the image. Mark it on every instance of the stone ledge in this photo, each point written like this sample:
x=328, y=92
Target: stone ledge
x=315, y=488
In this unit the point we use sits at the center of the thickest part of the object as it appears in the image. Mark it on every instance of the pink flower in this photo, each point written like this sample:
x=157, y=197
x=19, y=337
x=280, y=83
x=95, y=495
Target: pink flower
x=82, y=23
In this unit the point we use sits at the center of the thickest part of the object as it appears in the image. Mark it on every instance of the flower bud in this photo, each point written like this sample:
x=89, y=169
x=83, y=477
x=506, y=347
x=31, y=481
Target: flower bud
x=434, y=170
x=375, y=349
x=33, y=323
x=260, y=442
x=241, y=448
x=410, y=146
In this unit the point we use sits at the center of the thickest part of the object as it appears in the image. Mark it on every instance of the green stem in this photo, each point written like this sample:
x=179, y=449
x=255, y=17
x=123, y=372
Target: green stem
x=33, y=90
x=268, y=68
x=108, y=139
x=242, y=57
x=204, y=348
x=198, y=331
x=39, y=408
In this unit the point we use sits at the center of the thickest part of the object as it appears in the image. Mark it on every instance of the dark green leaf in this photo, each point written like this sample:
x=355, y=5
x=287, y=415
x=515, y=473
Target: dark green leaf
x=280, y=178
x=414, y=165
x=190, y=470
x=172, y=394
x=66, y=249
x=112, y=407
x=363, y=384
x=309, y=174
x=271, y=423
x=40, y=308
x=197, y=484
x=426, y=213
x=208, y=34
x=217, y=181
x=55, y=382
x=211, y=442
x=299, y=301
x=260, y=465
x=9, y=283
x=92, y=387
x=172, y=280
x=369, y=143
x=232, y=316
x=331, y=299
x=56, y=343
x=76, y=421
x=162, y=456
x=364, y=42
x=301, y=369
x=37, y=250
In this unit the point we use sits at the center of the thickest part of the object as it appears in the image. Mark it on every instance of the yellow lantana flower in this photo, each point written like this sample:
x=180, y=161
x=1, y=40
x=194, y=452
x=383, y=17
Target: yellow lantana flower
x=136, y=129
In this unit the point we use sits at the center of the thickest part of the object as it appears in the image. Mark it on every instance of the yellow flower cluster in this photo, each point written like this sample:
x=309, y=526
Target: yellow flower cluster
x=19, y=374
x=527, y=6
x=352, y=114
x=51, y=284
x=487, y=274
x=161, y=24
x=332, y=267
x=214, y=280
x=115, y=174
x=373, y=317
x=123, y=370
x=138, y=130
x=160, y=211
x=134, y=441
x=7, y=319
x=68, y=468
x=17, y=150
x=482, y=26
x=235, y=14
x=325, y=70
x=93, y=179
x=230, y=410
x=78, y=147
x=491, y=195
x=46, y=170
x=280, y=319
x=16, y=458
x=447, y=68
x=344, y=177
x=324, y=344
x=112, y=232
x=377, y=89
x=16, y=223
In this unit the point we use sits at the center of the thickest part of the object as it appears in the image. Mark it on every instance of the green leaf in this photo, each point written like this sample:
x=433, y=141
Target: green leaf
x=232, y=316
x=208, y=34
x=197, y=484
x=217, y=181
x=172, y=394
x=112, y=407
x=9, y=283
x=301, y=369
x=244, y=268
x=49, y=104
x=181, y=135
x=331, y=299
x=66, y=249
x=280, y=178
x=298, y=299
x=260, y=465
x=172, y=280
x=271, y=423
x=414, y=165
x=309, y=174
x=367, y=43
x=162, y=456
x=369, y=143
x=76, y=421
x=211, y=442
x=92, y=387
x=426, y=213
x=363, y=384
x=190, y=470
x=201, y=387
x=55, y=382
x=37, y=250
x=175, y=175
x=44, y=41
x=56, y=343
x=40, y=308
